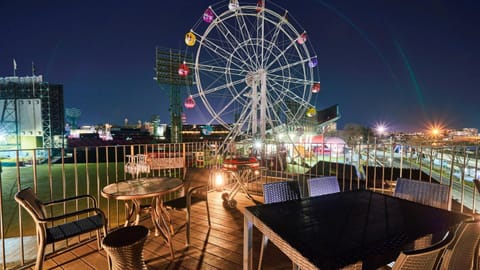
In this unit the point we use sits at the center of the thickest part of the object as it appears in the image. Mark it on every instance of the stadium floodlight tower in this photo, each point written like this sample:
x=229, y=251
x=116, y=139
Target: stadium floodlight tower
x=170, y=70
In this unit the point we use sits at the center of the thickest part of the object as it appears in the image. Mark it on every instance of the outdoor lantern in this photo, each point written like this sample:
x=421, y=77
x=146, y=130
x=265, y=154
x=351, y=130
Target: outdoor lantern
x=219, y=180
x=189, y=103
x=313, y=62
x=190, y=39
x=311, y=112
x=259, y=5
x=233, y=5
x=183, y=70
x=208, y=15
x=302, y=38
x=316, y=88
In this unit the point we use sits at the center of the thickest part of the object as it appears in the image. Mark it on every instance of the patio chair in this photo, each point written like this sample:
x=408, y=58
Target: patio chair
x=423, y=259
x=195, y=191
x=477, y=184
x=432, y=194
x=277, y=192
x=51, y=229
x=322, y=185
x=462, y=253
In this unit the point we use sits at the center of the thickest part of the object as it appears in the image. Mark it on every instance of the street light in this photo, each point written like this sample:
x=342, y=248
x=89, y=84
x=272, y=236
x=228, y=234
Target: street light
x=435, y=130
x=380, y=129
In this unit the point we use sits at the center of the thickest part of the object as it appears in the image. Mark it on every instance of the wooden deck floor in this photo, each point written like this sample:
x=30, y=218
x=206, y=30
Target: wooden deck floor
x=221, y=247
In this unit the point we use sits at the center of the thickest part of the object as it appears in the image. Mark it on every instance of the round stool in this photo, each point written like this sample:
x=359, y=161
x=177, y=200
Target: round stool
x=124, y=248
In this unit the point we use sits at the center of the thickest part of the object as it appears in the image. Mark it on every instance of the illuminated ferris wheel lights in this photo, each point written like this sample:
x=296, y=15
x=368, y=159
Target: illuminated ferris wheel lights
x=233, y=5
x=190, y=39
x=208, y=15
x=313, y=62
x=260, y=6
x=183, y=70
x=302, y=38
x=189, y=103
x=311, y=112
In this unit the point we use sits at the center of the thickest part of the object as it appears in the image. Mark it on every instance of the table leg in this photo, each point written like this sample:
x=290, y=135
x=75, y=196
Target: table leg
x=162, y=221
x=132, y=211
x=247, y=243
x=239, y=177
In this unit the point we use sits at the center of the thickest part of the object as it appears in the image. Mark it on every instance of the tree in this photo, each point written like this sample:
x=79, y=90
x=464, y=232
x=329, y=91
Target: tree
x=356, y=133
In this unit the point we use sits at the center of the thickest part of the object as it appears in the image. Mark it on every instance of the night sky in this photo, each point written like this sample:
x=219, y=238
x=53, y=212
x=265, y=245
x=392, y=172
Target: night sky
x=402, y=62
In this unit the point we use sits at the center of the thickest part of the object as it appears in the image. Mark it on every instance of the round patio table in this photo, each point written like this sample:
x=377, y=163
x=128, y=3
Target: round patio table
x=135, y=190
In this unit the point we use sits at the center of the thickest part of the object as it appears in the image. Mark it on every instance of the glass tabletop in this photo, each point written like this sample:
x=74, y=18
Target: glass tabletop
x=142, y=188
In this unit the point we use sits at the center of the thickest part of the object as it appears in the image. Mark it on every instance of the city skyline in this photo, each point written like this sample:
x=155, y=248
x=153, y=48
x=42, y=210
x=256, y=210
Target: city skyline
x=404, y=64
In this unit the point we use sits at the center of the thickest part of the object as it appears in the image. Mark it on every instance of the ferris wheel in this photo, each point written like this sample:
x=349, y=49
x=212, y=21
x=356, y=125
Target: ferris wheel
x=254, y=68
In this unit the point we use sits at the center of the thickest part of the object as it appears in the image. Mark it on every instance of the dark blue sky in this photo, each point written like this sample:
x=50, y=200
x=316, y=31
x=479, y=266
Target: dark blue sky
x=405, y=63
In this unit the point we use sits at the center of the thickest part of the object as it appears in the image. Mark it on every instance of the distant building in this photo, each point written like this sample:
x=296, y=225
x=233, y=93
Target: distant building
x=197, y=133
x=32, y=113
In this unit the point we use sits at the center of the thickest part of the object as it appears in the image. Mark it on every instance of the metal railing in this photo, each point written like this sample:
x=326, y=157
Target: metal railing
x=59, y=173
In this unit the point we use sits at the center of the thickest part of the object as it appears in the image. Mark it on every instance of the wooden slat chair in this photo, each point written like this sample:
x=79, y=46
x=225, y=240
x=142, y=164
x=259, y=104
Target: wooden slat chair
x=431, y=194
x=322, y=185
x=463, y=252
x=195, y=191
x=51, y=229
x=277, y=192
x=423, y=259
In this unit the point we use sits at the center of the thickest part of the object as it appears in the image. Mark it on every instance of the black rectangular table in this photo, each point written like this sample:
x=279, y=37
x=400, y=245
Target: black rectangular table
x=336, y=230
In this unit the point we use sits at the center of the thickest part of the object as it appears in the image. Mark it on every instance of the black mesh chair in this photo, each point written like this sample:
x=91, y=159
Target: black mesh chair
x=277, y=192
x=51, y=229
x=195, y=191
x=322, y=185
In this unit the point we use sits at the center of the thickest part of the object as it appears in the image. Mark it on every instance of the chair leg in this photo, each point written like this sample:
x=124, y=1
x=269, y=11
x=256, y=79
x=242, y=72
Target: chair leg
x=188, y=225
x=99, y=242
x=40, y=257
x=99, y=236
x=262, y=249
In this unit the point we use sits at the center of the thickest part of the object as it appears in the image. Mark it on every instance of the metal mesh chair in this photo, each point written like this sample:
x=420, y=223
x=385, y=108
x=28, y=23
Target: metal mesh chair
x=281, y=191
x=195, y=191
x=322, y=186
x=52, y=229
x=423, y=259
x=463, y=252
x=431, y=194
x=277, y=192
x=124, y=248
